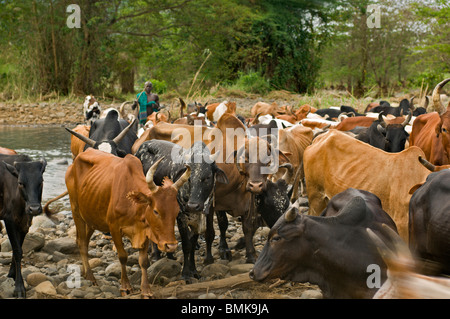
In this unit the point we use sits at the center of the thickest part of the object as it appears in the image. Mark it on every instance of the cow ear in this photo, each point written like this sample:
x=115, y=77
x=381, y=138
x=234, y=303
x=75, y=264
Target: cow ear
x=140, y=198
x=438, y=129
x=414, y=188
x=283, y=157
x=11, y=169
x=221, y=177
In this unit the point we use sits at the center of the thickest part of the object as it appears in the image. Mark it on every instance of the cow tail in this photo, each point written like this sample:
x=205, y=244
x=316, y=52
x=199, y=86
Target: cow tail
x=46, y=208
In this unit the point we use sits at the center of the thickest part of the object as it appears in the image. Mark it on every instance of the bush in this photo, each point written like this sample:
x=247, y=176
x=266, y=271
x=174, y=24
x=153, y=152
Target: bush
x=252, y=82
x=159, y=87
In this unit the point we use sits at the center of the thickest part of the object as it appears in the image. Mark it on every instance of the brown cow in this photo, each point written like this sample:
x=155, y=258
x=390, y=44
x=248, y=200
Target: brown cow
x=7, y=151
x=431, y=133
x=173, y=133
x=111, y=194
x=335, y=162
x=263, y=108
x=216, y=110
x=298, y=115
x=77, y=145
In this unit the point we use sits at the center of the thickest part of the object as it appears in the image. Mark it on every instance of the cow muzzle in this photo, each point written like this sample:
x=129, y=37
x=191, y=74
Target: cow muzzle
x=195, y=207
x=33, y=210
x=255, y=187
x=170, y=248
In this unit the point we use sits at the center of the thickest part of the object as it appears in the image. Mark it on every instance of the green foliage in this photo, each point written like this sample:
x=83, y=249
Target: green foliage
x=251, y=82
x=159, y=87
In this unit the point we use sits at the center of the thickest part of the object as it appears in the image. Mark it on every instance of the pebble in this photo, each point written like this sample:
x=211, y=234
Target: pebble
x=52, y=268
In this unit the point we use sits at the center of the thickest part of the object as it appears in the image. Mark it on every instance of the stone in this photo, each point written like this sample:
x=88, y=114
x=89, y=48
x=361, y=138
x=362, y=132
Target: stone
x=35, y=278
x=95, y=262
x=6, y=246
x=240, y=269
x=33, y=242
x=209, y=295
x=311, y=294
x=45, y=288
x=164, y=268
x=41, y=221
x=65, y=245
x=5, y=257
x=114, y=269
x=7, y=288
x=214, y=271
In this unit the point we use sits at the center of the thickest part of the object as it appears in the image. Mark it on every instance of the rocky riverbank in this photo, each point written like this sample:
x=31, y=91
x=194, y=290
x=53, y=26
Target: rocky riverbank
x=52, y=263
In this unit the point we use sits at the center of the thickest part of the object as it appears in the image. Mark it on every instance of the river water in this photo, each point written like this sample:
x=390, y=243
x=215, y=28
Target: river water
x=51, y=143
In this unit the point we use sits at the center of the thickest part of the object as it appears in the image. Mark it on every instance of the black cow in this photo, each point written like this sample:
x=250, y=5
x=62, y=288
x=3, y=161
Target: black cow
x=333, y=252
x=194, y=197
x=262, y=129
x=387, y=137
x=21, y=185
x=333, y=113
x=429, y=220
x=110, y=134
x=386, y=108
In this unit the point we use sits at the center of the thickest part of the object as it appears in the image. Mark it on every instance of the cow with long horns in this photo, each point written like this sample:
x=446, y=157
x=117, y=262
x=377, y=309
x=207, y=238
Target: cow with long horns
x=430, y=131
x=112, y=194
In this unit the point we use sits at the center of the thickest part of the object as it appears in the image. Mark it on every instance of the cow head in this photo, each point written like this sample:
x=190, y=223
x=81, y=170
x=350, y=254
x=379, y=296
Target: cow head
x=204, y=174
x=255, y=159
x=395, y=135
x=30, y=183
x=91, y=108
x=108, y=146
x=306, y=248
x=443, y=130
x=160, y=208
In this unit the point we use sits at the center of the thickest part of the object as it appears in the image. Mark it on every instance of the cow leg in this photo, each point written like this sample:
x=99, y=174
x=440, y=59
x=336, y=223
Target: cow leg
x=222, y=221
x=209, y=237
x=84, y=233
x=16, y=238
x=125, y=286
x=188, y=242
x=143, y=263
x=249, y=229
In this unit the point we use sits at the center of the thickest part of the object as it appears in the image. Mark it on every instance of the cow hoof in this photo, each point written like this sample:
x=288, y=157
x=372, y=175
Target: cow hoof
x=240, y=244
x=226, y=255
x=20, y=293
x=250, y=260
x=125, y=291
x=148, y=295
x=208, y=260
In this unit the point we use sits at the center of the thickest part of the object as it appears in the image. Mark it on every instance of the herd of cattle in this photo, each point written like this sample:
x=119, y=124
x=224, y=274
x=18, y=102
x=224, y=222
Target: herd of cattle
x=376, y=186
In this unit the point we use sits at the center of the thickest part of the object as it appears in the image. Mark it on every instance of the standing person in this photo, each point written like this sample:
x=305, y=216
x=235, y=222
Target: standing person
x=148, y=103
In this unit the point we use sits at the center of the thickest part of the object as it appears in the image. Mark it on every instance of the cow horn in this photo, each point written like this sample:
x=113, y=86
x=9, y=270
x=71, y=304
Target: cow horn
x=427, y=164
x=427, y=101
x=381, y=129
x=149, y=177
x=411, y=103
x=289, y=172
x=121, y=108
x=183, y=179
x=214, y=156
x=238, y=155
x=85, y=139
x=436, y=97
x=122, y=134
x=408, y=118
x=291, y=214
x=256, y=119
x=382, y=122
